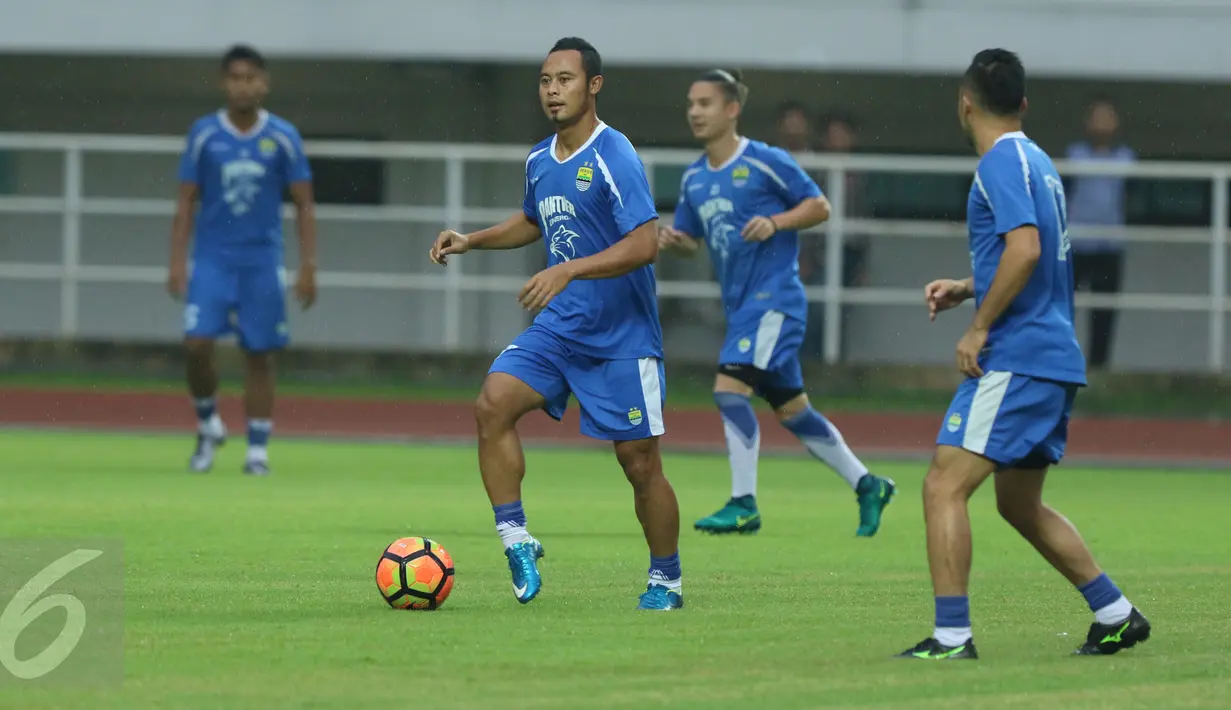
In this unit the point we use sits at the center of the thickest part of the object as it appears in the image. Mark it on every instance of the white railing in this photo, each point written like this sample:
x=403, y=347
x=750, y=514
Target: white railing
x=72, y=205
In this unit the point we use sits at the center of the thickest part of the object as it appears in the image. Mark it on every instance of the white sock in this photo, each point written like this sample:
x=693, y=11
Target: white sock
x=211, y=427
x=951, y=636
x=1115, y=612
x=825, y=442
x=743, y=455
x=258, y=453
x=511, y=534
x=676, y=585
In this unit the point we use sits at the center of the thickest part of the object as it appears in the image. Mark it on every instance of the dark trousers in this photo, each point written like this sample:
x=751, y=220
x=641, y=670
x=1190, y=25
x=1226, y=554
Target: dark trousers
x=1099, y=272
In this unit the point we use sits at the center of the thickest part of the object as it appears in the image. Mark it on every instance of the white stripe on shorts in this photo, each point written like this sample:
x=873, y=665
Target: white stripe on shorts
x=652, y=391
x=767, y=339
x=983, y=410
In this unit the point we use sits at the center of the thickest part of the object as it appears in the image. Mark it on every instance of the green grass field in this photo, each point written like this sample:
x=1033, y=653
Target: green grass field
x=259, y=593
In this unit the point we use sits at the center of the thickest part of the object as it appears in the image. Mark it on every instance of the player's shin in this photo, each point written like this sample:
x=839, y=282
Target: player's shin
x=657, y=508
x=259, y=405
x=825, y=442
x=203, y=386
x=743, y=441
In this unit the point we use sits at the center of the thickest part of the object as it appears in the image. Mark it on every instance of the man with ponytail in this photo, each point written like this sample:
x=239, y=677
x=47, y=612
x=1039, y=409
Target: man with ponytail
x=747, y=201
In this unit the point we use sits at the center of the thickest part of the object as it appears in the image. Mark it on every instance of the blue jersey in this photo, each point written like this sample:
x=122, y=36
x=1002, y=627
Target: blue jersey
x=1016, y=185
x=584, y=204
x=715, y=204
x=241, y=178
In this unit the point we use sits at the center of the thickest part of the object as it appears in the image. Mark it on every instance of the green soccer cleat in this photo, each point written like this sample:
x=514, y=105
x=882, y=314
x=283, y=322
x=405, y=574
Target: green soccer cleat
x=930, y=649
x=1109, y=639
x=874, y=493
x=739, y=515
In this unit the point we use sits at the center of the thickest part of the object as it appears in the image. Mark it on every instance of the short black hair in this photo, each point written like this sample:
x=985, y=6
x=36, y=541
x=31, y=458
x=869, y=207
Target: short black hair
x=788, y=107
x=730, y=82
x=840, y=116
x=243, y=53
x=591, y=62
x=998, y=80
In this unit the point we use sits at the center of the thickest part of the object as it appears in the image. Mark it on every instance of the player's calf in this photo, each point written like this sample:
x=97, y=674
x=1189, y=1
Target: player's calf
x=203, y=385
x=659, y=514
x=259, y=405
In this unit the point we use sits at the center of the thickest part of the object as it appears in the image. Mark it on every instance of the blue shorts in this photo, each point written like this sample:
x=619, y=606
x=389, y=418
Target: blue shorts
x=1013, y=420
x=770, y=344
x=248, y=300
x=621, y=400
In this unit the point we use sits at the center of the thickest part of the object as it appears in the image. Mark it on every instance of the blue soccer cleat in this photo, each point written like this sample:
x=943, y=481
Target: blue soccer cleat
x=523, y=563
x=657, y=597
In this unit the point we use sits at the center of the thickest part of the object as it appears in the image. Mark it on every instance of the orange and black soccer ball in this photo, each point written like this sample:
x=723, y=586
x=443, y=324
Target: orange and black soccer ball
x=415, y=573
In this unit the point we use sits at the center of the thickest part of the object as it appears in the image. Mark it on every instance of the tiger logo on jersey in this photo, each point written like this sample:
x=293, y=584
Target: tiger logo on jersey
x=561, y=245
x=241, y=183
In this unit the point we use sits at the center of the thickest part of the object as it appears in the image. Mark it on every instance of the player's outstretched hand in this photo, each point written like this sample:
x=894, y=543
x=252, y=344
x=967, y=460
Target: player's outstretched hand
x=943, y=294
x=759, y=229
x=305, y=286
x=968, y=349
x=449, y=242
x=544, y=286
x=177, y=280
x=670, y=238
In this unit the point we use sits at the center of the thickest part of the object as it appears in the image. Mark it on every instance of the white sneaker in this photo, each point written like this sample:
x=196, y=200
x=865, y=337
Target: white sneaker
x=207, y=446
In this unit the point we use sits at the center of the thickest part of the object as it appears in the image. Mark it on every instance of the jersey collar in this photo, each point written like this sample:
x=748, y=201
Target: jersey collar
x=552, y=149
x=1009, y=135
x=262, y=117
x=739, y=151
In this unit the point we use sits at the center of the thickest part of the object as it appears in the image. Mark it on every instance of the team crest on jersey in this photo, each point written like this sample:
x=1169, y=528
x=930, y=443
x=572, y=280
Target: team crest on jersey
x=954, y=423
x=634, y=416
x=739, y=176
x=267, y=146
x=585, y=176
x=744, y=345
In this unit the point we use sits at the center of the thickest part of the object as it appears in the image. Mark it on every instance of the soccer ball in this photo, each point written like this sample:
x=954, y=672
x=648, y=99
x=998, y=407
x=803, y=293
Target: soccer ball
x=415, y=573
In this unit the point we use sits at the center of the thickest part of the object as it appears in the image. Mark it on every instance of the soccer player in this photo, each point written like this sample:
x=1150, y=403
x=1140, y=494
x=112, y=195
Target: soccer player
x=239, y=162
x=1024, y=367
x=747, y=201
x=596, y=335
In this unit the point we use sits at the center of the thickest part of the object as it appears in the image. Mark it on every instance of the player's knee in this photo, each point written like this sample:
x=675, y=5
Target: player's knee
x=1022, y=514
x=260, y=363
x=491, y=414
x=941, y=486
x=199, y=349
x=789, y=408
x=640, y=462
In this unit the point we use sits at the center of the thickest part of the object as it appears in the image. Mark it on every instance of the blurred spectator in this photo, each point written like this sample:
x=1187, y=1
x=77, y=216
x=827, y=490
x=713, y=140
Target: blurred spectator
x=793, y=128
x=1098, y=261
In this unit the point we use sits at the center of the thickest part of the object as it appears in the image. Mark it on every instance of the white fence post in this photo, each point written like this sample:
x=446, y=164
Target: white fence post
x=71, y=242
x=833, y=264
x=455, y=213
x=1218, y=272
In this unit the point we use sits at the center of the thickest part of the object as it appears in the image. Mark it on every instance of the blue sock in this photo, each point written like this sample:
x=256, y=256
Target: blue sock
x=258, y=433
x=825, y=442
x=743, y=442
x=510, y=514
x=952, y=620
x=1106, y=600
x=206, y=408
x=511, y=523
x=666, y=570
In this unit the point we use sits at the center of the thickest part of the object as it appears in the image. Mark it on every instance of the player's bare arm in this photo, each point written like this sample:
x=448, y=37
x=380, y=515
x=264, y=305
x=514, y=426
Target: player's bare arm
x=181, y=230
x=305, y=224
x=638, y=248
x=1021, y=253
x=677, y=242
x=515, y=232
x=806, y=214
